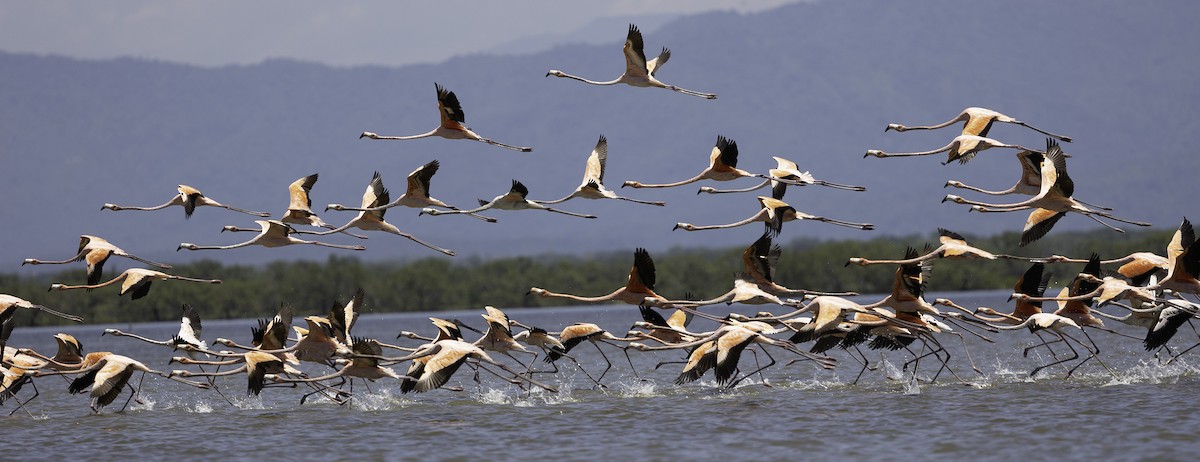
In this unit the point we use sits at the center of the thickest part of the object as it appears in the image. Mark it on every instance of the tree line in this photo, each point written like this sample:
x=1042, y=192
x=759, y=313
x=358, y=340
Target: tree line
x=438, y=283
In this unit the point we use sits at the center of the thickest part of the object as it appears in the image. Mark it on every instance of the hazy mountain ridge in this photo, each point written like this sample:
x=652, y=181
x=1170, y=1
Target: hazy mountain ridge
x=815, y=83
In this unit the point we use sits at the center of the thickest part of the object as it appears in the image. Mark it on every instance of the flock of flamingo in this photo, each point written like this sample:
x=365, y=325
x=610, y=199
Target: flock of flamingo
x=1148, y=287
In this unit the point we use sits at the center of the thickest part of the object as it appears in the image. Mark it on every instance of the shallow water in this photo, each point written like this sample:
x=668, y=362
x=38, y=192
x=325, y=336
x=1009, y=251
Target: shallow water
x=1142, y=410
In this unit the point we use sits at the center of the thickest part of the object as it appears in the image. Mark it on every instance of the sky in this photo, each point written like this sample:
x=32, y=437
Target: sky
x=341, y=33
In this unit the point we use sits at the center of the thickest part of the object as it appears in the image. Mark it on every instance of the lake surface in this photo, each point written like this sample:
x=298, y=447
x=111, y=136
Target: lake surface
x=1141, y=410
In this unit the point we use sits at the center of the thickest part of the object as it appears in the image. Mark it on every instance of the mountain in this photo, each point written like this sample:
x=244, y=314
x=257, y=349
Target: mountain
x=812, y=82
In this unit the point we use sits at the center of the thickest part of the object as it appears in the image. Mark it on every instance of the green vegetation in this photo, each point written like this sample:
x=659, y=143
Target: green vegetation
x=438, y=283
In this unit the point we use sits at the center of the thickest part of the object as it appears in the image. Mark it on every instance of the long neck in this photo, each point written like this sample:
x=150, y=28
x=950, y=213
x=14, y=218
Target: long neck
x=174, y=201
x=667, y=185
x=727, y=191
x=984, y=191
x=931, y=255
x=760, y=216
x=410, y=137
x=593, y=82
x=956, y=119
x=74, y=259
x=96, y=286
x=138, y=337
x=921, y=153
x=602, y=298
x=727, y=296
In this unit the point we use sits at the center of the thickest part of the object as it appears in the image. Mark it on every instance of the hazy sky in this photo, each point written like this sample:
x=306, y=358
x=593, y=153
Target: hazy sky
x=342, y=33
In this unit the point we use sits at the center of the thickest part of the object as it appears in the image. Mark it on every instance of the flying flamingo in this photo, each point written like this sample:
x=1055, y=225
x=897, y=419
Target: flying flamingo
x=189, y=198
x=96, y=251
x=415, y=196
x=730, y=341
x=638, y=71
x=954, y=246
x=962, y=148
x=722, y=166
x=453, y=125
x=1051, y=203
x=593, y=179
x=372, y=220
x=446, y=356
x=513, y=200
x=109, y=376
x=1132, y=265
x=774, y=213
x=9, y=303
x=300, y=206
x=1184, y=260
x=977, y=121
x=634, y=292
x=363, y=364
x=499, y=337
x=188, y=335
x=256, y=365
x=574, y=334
x=274, y=233
x=759, y=261
x=785, y=170
x=136, y=281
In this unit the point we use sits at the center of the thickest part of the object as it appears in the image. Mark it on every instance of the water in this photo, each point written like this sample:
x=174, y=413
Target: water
x=1146, y=412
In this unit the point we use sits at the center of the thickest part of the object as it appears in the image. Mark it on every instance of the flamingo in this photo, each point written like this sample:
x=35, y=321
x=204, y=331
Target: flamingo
x=273, y=233
x=364, y=364
x=96, y=251
x=954, y=246
x=759, y=261
x=541, y=338
x=453, y=125
x=257, y=365
x=574, y=334
x=109, y=376
x=1051, y=203
x=135, y=281
x=730, y=341
x=722, y=166
x=499, y=336
x=636, y=290
x=372, y=220
x=775, y=213
x=962, y=148
x=785, y=170
x=1032, y=284
x=343, y=317
x=69, y=356
x=1076, y=299
x=514, y=200
x=593, y=179
x=270, y=335
x=189, y=198
x=1168, y=320
x=744, y=291
x=1056, y=325
x=416, y=195
x=1184, y=262
x=9, y=304
x=1132, y=265
x=977, y=121
x=188, y=336
x=299, y=210
x=446, y=356
x=638, y=71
